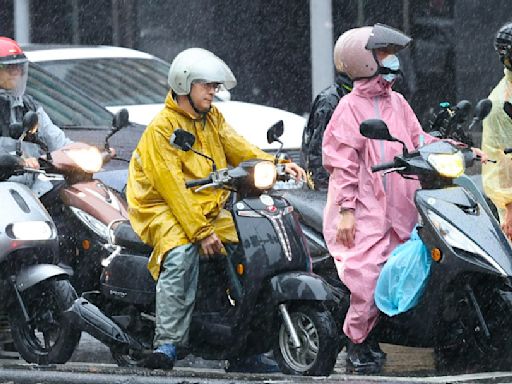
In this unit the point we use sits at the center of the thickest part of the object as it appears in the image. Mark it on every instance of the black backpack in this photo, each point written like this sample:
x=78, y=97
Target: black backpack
x=321, y=112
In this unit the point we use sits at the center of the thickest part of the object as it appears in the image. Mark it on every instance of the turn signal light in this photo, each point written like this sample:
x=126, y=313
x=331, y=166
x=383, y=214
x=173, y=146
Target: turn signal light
x=436, y=254
x=86, y=244
x=240, y=269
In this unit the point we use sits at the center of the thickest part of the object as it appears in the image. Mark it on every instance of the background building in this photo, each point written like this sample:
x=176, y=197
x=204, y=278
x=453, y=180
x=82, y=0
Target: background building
x=269, y=43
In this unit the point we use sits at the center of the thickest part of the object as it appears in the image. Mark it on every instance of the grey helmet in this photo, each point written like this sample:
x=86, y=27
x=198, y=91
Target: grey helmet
x=197, y=64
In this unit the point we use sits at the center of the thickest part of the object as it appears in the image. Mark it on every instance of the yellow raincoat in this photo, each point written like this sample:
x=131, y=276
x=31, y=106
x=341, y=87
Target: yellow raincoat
x=497, y=135
x=162, y=211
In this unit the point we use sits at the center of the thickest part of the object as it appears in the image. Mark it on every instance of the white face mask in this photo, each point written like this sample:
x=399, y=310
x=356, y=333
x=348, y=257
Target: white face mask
x=391, y=62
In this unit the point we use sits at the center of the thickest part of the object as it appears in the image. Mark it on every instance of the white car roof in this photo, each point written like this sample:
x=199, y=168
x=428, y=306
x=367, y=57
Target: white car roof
x=98, y=52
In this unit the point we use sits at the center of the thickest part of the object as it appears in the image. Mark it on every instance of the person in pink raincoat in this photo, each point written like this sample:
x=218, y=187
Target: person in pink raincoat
x=368, y=214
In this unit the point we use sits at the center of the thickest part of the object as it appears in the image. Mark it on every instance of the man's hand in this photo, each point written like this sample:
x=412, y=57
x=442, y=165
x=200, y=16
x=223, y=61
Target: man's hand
x=507, y=222
x=31, y=162
x=211, y=245
x=295, y=171
x=346, y=229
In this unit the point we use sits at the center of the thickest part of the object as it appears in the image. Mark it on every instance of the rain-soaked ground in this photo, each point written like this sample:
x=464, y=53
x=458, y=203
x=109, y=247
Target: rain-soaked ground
x=91, y=363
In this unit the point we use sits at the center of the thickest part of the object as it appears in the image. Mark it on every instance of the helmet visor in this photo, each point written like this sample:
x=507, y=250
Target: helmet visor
x=16, y=80
x=384, y=36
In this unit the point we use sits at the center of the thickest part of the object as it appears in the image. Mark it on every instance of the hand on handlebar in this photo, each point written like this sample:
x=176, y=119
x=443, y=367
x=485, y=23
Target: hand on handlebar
x=31, y=162
x=479, y=154
x=295, y=171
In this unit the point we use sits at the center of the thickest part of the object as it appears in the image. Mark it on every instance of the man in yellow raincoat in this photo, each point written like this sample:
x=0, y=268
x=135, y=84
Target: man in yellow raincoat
x=497, y=135
x=176, y=221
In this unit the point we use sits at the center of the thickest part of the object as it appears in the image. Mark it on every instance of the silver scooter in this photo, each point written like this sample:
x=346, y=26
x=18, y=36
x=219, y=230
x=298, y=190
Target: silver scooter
x=34, y=292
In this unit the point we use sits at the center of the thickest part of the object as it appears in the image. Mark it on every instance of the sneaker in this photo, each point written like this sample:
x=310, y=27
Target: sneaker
x=162, y=358
x=253, y=364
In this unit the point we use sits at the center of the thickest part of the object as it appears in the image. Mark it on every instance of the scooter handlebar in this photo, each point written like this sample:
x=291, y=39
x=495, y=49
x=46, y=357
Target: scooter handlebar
x=198, y=182
x=383, y=166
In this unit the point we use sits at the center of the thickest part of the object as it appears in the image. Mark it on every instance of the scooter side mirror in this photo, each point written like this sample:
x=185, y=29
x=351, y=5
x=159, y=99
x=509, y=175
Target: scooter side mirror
x=483, y=108
x=30, y=122
x=375, y=129
x=275, y=132
x=182, y=139
x=120, y=120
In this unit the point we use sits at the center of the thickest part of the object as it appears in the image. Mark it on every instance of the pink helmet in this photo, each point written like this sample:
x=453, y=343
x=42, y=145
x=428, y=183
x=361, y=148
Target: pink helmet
x=354, y=51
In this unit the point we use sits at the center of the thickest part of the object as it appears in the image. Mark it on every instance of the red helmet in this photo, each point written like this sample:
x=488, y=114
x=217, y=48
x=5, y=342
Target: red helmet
x=10, y=52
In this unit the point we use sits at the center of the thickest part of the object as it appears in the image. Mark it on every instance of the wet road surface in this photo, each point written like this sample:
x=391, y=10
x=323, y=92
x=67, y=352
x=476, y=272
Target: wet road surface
x=92, y=363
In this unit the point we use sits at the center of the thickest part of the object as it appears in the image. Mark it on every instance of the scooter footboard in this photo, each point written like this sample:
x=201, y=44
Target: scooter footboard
x=293, y=286
x=87, y=317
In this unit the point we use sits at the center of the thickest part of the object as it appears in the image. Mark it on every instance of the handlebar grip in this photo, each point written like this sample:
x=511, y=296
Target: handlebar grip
x=198, y=182
x=383, y=166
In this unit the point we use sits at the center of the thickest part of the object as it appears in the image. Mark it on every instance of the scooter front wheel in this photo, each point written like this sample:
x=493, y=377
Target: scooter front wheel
x=316, y=355
x=47, y=337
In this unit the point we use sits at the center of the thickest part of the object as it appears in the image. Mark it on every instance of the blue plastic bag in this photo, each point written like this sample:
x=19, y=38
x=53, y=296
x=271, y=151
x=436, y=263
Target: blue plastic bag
x=403, y=277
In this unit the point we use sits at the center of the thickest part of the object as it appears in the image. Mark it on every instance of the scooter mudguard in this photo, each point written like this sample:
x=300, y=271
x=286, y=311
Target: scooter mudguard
x=34, y=274
x=292, y=286
x=87, y=317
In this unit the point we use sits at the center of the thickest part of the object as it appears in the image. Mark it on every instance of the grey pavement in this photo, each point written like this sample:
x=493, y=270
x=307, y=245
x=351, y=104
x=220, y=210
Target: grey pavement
x=91, y=363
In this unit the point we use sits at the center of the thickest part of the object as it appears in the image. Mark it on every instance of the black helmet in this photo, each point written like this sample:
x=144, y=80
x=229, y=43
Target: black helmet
x=503, y=44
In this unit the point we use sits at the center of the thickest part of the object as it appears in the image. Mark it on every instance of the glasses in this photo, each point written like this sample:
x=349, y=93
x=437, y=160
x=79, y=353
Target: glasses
x=208, y=86
x=12, y=67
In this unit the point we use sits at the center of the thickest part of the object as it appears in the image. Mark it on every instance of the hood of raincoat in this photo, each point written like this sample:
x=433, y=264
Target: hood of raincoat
x=162, y=211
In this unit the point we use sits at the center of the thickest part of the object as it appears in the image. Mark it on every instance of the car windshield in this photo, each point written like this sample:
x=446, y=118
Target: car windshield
x=66, y=106
x=115, y=81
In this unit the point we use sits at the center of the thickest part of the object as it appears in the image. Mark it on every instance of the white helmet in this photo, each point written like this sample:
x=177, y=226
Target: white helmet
x=195, y=64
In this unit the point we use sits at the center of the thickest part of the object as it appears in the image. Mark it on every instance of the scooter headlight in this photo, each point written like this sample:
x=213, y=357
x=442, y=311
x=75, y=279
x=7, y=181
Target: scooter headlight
x=89, y=159
x=92, y=223
x=448, y=165
x=457, y=239
x=31, y=230
x=265, y=175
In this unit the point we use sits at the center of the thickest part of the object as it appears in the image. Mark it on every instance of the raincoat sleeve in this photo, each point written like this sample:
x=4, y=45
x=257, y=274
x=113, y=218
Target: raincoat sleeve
x=163, y=168
x=341, y=146
x=237, y=148
x=50, y=134
x=496, y=135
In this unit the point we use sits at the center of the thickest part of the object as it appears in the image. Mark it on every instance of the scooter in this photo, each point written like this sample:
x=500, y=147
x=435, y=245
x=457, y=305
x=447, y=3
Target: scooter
x=34, y=291
x=451, y=122
x=263, y=296
x=465, y=310
x=81, y=206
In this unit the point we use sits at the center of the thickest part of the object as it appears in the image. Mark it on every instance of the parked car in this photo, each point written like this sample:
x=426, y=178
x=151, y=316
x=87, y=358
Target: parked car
x=118, y=78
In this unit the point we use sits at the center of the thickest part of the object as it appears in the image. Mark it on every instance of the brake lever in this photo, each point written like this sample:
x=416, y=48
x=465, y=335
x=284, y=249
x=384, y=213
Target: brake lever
x=393, y=170
x=205, y=186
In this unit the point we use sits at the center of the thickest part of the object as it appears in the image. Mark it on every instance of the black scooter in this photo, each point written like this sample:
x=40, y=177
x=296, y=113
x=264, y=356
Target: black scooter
x=262, y=297
x=465, y=311
x=451, y=122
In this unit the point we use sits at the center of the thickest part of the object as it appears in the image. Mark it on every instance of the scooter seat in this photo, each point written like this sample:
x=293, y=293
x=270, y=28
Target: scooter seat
x=125, y=236
x=309, y=204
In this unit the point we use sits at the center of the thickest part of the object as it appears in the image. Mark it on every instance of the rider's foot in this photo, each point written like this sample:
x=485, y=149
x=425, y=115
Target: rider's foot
x=253, y=364
x=360, y=359
x=378, y=354
x=162, y=357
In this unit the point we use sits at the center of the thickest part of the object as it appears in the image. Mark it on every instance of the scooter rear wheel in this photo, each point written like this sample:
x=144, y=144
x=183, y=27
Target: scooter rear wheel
x=318, y=349
x=47, y=337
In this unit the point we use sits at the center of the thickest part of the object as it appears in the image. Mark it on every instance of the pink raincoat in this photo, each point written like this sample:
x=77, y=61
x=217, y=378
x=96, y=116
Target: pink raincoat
x=383, y=204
